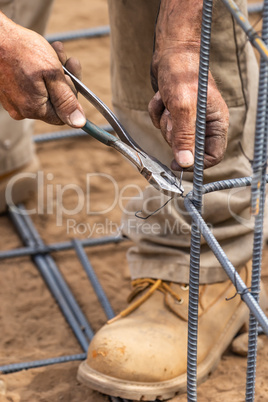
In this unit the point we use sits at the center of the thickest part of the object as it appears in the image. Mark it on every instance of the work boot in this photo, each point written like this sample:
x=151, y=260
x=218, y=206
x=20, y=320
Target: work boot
x=21, y=183
x=142, y=353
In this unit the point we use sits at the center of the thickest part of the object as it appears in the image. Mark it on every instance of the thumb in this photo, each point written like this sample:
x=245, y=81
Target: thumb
x=65, y=102
x=183, y=136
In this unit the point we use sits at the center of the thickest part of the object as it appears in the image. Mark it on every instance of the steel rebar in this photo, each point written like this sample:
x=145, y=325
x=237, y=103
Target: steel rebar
x=253, y=36
x=51, y=248
x=255, y=8
x=258, y=189
x=197, y=199
x=93, y=279
x=12, y=368
x=65, y=134
x=79, y=34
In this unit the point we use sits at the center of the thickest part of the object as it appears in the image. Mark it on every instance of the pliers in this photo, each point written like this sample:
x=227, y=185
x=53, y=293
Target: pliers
x=155, y=172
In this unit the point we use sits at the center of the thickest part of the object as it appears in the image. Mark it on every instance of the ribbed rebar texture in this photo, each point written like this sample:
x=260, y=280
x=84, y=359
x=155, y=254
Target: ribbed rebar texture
x=226, y=184
x=258, y=188
x=258, y=160
x=80, y=34
x=197, y=199
x=11, y=368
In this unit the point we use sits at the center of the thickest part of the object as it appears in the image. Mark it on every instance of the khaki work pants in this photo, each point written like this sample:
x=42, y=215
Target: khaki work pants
x=16, y=147
x=162, y=243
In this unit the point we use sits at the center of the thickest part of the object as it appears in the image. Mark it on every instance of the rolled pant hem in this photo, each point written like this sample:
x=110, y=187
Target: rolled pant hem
x=173, y=272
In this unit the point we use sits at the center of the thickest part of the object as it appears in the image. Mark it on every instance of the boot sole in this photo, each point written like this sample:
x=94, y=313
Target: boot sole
x=165, y=389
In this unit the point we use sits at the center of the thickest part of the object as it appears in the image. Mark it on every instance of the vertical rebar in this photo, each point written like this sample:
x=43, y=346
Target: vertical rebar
x=93, y=279
x=197, y=200
x=258, y=202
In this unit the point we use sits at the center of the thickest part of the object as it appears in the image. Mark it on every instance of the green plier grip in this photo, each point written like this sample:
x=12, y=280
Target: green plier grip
x=99, y=134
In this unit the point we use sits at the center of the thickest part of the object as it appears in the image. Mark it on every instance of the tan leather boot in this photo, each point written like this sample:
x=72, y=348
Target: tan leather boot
x=23, y=187
x=143, y=354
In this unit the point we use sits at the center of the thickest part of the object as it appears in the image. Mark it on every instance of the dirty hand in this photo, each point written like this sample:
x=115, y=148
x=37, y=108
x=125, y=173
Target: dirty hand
x=32, y=82
x=175, y=78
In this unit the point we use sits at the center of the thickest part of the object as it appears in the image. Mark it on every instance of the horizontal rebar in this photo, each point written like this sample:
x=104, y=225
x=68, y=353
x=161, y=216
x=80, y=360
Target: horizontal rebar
x=65, y=134
x=55, y=247
x=79, y=34
x=255, y=8
x=11, y=368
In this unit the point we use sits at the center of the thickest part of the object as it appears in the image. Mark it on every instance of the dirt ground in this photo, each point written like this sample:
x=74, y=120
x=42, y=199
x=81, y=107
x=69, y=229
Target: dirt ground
x=32, y=326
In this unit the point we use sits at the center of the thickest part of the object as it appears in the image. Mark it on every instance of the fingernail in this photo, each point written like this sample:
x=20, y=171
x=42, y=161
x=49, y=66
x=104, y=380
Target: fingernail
x=174, y=165
x=185, y=158
x=169, y=124
x=77, y=118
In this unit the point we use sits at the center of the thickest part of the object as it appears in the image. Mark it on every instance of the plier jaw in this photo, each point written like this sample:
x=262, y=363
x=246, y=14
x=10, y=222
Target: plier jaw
x=160, y=177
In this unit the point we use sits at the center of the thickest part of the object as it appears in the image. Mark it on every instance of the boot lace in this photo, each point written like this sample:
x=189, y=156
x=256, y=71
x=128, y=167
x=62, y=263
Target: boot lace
x=151, y=285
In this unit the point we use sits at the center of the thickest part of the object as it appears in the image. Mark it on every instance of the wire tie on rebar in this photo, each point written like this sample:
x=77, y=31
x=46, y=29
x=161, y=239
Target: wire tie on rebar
x=252, y=35
x=153, y=213
x=241, y=292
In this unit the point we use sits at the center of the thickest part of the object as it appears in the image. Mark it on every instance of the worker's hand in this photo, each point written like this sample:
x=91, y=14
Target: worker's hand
x=32, y=82
x=173, y=108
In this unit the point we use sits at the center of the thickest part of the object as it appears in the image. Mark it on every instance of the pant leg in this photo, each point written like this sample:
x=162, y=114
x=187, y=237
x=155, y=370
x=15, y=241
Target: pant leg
x=16, y=147
x=162, y=243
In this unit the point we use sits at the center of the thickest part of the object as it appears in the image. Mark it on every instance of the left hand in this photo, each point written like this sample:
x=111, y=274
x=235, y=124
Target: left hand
x=173, y=108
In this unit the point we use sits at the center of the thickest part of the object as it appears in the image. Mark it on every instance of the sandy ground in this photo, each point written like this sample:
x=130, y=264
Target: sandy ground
x=32, y=326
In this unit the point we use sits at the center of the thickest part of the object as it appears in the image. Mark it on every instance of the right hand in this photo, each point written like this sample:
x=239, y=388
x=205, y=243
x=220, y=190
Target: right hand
x=32, y=82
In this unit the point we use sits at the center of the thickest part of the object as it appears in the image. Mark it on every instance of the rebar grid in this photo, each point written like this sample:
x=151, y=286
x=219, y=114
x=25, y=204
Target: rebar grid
x=57, y=285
